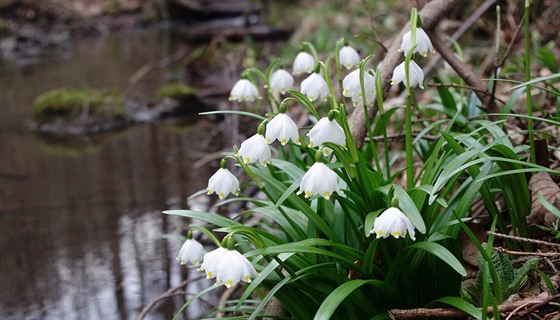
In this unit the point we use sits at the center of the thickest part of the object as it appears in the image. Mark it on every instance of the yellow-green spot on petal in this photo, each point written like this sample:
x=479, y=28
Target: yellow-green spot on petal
x=229, y=283
x=248, y=279
x=326, y=195
x=209, y=191
x=311, y=98
x=396, y=234
x=283, y=141
x=208, y=275
x=310, y=144
x=247, y=160
x=267, y=140
x=221, y=195
x=195, y=262
x=307, y=194
x=380, y=233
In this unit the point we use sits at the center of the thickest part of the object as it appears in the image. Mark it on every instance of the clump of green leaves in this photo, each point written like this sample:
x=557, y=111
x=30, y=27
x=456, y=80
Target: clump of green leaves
x=510, y=280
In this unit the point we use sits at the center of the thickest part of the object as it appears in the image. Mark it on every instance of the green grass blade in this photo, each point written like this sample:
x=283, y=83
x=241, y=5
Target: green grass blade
x=241, y=113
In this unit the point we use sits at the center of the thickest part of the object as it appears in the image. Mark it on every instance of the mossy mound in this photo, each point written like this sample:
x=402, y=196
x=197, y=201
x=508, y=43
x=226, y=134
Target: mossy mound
x=68, y=104
x=177, y=91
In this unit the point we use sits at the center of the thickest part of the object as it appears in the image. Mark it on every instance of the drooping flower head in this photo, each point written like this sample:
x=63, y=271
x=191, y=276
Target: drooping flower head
x=228, y=266
x=255, y=149
x=315, y=87
x=281, y=80
x=393, y=222
x=191, y=251
x=319, y=179
x=348, y=57
x=244, y=90
x=303, y=63
x=326, y=130
x=416, y=76
x=223, y=182
x=281, y=128
x=352, y=88
x=423, y=43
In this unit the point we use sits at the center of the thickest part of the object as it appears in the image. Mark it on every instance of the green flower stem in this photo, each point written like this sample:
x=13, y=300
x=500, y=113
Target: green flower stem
x=311, y=48
x=337, y=64
x=372, y=143
x=528, y=4
x=206, y=232
x=327, y=75
x=271, y=100
x=349, y=139
x=249, y=172
x=378, y=90
x=262, y=76
x=408, y=116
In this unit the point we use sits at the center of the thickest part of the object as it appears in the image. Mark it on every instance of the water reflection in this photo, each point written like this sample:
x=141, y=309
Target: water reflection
x=81, y=235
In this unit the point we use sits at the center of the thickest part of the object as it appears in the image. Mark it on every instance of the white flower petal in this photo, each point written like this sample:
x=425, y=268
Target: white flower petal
x=416, y=76
x=244, y=90
x=281, y=128
x=255, y=149
x=352, y=88
x=319, y=179
x=315, y=87
x=348, y=57
x=281, y=80
x=223, y=183
x=191, y=251
x=326, y=130
x=423, y=43
x=393, y=222
x=303, y=63
x=228, y=267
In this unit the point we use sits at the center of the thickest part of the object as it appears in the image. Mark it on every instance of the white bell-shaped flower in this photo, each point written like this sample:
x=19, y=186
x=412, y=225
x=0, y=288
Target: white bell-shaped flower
x=416, y=76
x=255, y=149
x=281, y=128
x=351, y=88
x=244, y=90
x=223, y=183
x=281, y=80
x=393, y=222
x=315, y=87
x=319, y=179
x=348, y=57
x=228, y=267
x=423, y=42
x=303, y=63
x=191, y=251
x=326, y=130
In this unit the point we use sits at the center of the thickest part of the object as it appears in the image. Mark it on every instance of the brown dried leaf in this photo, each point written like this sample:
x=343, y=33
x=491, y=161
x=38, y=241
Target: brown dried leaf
x=542, y=182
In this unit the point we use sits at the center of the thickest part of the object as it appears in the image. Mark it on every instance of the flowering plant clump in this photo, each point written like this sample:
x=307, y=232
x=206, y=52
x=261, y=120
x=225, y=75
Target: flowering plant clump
x=306, y=238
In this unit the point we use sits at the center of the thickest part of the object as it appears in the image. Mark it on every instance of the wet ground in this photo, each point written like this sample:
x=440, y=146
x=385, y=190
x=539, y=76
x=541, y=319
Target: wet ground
x=81, y=229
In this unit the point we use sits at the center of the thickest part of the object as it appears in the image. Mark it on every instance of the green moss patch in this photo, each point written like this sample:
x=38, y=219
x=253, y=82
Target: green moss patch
x=69, y=103
x=177, y=91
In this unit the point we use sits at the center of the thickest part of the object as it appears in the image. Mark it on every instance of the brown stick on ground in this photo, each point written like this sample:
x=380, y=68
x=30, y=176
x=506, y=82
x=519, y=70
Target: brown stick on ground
x=431, y=14
x=404, y=314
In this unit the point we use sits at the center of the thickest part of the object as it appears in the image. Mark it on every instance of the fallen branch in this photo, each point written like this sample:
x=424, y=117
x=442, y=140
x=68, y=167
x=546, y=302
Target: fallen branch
x=171, y=292
x=404, y=314
x=431, y=14
x=462, y=70
x=506, y=236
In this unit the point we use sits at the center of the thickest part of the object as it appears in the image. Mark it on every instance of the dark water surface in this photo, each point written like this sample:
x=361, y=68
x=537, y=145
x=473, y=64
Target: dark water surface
x=81, y=231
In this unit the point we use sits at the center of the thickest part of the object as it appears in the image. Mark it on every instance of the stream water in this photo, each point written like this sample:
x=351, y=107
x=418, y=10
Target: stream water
x=81, y=228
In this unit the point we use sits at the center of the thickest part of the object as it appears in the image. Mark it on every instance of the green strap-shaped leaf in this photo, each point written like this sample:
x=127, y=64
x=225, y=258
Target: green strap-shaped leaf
x=461, y=305
x=442, y=253
x=338, y=295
